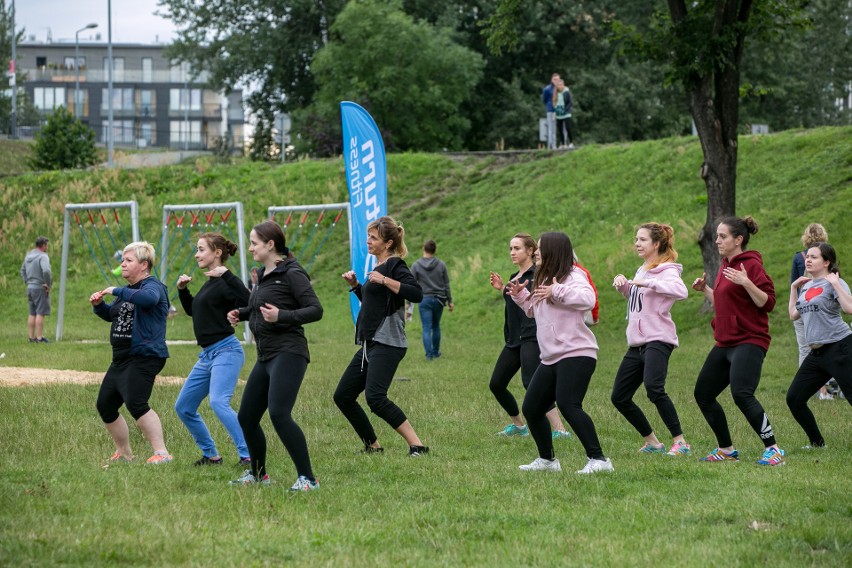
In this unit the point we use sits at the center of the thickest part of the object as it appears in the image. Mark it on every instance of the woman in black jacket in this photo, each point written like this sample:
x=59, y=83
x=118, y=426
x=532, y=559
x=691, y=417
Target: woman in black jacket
x=281, y=302
x=380, y=331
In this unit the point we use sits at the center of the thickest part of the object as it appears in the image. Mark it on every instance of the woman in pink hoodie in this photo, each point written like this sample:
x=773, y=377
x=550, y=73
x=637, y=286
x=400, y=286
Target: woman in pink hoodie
x=558, y=301
x=651, y=336
x=742, y=299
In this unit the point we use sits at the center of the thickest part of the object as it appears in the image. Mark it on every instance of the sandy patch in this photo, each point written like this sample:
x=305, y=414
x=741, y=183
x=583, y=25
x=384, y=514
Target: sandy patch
x=27, y=377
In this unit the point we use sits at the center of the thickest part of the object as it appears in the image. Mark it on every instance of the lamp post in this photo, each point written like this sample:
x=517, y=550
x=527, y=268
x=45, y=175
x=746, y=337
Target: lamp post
x=77, y=67
x=110, y=133
x=13, y=70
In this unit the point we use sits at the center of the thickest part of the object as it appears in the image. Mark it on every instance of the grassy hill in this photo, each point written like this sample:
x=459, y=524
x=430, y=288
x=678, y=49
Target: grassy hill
x=466, y=504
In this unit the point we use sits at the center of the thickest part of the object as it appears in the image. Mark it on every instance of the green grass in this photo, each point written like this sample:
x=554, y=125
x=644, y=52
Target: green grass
x=466, y=503
x=13, y=156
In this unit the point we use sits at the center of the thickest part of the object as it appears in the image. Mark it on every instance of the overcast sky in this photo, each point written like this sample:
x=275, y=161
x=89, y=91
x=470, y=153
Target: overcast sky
x=133, y=21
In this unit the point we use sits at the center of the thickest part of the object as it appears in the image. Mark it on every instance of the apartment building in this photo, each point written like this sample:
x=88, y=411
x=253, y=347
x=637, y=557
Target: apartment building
x=156, y=102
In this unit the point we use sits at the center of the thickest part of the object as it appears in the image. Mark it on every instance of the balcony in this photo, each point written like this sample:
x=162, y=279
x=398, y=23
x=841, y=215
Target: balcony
x=65, y=75
x=209, y=111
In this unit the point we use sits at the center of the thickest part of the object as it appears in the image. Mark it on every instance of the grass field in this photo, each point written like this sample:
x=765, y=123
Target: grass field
x=466, y=503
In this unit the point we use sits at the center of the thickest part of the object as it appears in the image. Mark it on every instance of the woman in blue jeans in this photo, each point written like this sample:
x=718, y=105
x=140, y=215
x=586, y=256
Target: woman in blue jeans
x=221, y=356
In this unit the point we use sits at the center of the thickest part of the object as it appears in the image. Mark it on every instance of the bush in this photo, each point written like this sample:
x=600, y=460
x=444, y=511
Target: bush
x=64, y=143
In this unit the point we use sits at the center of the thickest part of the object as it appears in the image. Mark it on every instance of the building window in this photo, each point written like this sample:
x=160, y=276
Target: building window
x=147, y=69
x=179, y=73
x=48, y=98
x=70, y=63
x=146, y=133
x=82, y=98
x=41, y=62
x=118, y=67
x=123, y=132
x=122, y=99
x=181, y=132
x=147, y=104
x=184, y=99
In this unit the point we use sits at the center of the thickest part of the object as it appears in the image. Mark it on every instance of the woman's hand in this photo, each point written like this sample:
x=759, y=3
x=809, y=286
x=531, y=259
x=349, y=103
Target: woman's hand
x=496, y=281
x=513, y=288
x=376, y=278
x=216, y=272
x=619, y=281
x=799, y=282
x=739, y=277
x=350, y=278
x=700, y=283
x=544, y=291
x=234, y=317
x=109, y=290
x=183, y=280
x=269, y=312
x=96, y=298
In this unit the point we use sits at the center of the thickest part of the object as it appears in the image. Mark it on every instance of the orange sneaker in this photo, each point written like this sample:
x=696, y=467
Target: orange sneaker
x=159, y=458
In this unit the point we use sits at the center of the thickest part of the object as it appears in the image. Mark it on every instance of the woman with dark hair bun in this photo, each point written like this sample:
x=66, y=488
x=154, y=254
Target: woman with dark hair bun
x=742, y=299
x=281, y=303
x=818, y=301
x=559, y=300
x=222, y=356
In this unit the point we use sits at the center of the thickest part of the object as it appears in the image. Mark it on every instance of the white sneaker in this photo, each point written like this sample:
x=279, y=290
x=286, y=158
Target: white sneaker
x=541, y=464
x=594, y=466
x=571, y=146
x=826, y=396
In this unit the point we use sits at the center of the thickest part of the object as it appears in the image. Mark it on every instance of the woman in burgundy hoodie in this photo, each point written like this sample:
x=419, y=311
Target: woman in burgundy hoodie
x=742, y=299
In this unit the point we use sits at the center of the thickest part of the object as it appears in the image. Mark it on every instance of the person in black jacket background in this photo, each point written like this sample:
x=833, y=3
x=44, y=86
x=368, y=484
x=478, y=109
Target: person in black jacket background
x=281, y=302
x=380, y=331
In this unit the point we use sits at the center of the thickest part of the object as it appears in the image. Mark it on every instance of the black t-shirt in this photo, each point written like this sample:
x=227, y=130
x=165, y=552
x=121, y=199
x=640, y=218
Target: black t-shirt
x=121, y=331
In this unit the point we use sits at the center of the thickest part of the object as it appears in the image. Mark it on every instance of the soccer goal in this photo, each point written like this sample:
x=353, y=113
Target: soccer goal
x=181, y=226
x=308, y=227
x=104, y=230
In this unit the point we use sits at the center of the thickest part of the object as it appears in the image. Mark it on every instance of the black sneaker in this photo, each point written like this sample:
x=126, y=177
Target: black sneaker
x=42, y=340
x=417, y=451
x=244, y=462
x=372, y=450
x=208, y=461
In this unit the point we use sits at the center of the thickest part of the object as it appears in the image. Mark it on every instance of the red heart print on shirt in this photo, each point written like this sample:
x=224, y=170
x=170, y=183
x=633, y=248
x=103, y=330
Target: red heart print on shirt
x=812, y=293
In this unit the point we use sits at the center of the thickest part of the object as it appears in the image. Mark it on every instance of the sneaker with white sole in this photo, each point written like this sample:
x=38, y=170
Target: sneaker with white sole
x=305, y=484
x=680, y=449
x=248, y=478
x=556, y=434
x=512, y=430
x=541, y=464
x=595, y=466
x=160, y=458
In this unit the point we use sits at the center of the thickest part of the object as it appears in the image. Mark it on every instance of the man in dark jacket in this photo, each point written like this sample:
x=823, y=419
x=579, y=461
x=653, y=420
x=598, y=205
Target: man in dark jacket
x=431, y=274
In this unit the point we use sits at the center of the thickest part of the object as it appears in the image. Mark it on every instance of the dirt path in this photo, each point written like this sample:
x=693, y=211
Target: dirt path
x=27, y=377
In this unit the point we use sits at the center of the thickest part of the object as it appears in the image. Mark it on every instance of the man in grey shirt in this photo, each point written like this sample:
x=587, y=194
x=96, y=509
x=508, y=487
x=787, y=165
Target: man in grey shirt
x=431, y=274
x=35, y=272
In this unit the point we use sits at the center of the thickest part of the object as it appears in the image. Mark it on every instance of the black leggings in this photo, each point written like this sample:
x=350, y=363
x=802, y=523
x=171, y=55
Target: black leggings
x=128, y=381
x=564, y=129
x=648, y=364
x=738, y=367
x=373, y=377
x=275, y=384
x=566, y=382
x=831, y=360
x=525, y=357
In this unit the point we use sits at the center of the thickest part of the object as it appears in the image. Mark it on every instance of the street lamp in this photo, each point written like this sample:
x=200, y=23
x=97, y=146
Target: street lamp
x=77, y=67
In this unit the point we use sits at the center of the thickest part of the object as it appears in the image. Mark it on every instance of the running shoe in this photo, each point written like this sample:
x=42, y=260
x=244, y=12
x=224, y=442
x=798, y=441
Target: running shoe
x=556, y=434
x=772, y=456
x=244, y=462
x=160, y=458
x=371, y=450
x=208, y=461
x=813, y=446
x=541, y=464
x=118, y=458
x=42, y=340
x=826, y=396
x=417, y=451
x=512, y=430
x=595, y=466
x=718, y=455
x=680, y=449
x=305, y=484
x=650, y=448
x=248, y=478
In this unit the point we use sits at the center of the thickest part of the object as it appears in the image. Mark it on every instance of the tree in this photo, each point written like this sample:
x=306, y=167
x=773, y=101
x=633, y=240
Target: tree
x=267, y=44
x=27, y=114
x=702, y=43
x=411, y=75
x=64, y=143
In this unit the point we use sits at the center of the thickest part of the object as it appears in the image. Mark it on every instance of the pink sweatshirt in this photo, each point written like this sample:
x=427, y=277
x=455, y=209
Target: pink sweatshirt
x=560, y=330
x=648, y=307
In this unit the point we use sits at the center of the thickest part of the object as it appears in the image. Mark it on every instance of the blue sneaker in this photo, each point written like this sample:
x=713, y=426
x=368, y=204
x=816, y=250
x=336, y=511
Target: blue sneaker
x=772, y=456
x=556, y=434
x=718, y=455
x=650, y=448
x=512, y=430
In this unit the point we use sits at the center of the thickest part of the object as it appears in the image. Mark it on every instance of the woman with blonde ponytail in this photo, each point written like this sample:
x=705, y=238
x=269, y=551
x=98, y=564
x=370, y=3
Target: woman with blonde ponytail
x=651, y=336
